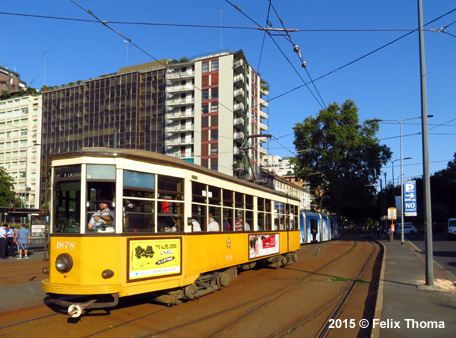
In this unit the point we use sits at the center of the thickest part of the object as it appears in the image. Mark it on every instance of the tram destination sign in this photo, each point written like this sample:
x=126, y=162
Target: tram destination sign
x=410, y=206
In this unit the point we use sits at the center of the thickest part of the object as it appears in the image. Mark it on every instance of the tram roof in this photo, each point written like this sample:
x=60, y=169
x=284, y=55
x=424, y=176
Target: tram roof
x=153, y=157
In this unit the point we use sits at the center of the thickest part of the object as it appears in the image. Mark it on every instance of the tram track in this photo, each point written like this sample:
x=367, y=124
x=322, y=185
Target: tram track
x=341, y=299
x=237, y=314
x=278, y=294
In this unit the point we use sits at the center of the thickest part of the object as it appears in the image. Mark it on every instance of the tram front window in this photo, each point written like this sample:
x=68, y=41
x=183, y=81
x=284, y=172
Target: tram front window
x=100, y=198
x=66, y=199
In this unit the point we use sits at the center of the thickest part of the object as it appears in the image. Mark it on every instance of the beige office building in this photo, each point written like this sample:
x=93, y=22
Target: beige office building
x=20, y=134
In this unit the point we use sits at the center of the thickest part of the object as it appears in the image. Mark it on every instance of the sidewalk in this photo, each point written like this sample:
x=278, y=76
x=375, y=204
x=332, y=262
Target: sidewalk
x=405, y=305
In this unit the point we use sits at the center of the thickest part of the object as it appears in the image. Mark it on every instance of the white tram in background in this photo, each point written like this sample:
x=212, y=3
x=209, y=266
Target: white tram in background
x=150, y=244
x=317, y=227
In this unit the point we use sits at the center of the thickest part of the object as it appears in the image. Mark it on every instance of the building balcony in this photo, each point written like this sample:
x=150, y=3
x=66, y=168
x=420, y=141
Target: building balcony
x=180, y=102
x=172, y=129
x=263, y=127
x=264, y=103
x=239, y=94
x=178, y=115
x=179, y=76
x=178, y=154
x=239, y=79
x=264, y=115
x=238, y=122
x=178, y=142
x=238, y=65
x=179, y=89
x=238, y=107
x=238, y=136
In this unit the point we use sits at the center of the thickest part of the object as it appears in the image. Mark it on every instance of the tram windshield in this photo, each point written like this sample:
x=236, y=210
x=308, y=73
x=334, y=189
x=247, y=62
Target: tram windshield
x=100, y=197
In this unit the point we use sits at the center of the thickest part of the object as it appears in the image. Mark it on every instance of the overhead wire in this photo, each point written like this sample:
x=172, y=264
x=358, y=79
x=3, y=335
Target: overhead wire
x=198, y=26
x=281, y=51
x=264, y=38
x=363, y=56
x=297, y=49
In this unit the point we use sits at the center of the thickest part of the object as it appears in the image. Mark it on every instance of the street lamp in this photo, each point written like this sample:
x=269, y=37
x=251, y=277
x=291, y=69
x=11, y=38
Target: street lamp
x=402, y=174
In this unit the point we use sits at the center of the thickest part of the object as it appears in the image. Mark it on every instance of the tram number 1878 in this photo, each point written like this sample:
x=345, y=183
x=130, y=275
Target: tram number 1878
x=65, y=245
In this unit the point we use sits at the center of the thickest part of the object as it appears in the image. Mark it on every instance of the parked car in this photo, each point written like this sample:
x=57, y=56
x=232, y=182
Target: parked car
x=409, y=228
x=436, y=227
x=451, y=228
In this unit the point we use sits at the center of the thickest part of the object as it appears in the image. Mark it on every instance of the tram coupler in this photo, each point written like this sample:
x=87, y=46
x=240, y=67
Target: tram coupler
x=76, y=310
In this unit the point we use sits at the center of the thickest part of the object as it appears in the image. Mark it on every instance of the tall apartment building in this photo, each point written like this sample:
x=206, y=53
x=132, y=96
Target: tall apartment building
x=215, y=112
x=20, y=134
x=207, y=110
x=10, y=81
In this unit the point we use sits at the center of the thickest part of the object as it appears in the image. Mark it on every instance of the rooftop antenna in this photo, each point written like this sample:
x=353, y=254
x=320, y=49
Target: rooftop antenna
x=45, y=61
x=128, y=44
x=221, y=12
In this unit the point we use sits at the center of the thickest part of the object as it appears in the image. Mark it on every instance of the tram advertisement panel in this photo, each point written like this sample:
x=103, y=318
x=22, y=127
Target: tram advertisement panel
x=263, y=245
x=152, y=258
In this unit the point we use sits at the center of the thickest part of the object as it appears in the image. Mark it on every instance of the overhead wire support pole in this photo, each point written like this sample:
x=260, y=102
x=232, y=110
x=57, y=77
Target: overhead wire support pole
x=426, y=177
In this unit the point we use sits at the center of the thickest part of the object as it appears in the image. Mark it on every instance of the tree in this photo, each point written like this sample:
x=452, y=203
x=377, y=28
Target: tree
x=6, y=189
x=341, y=159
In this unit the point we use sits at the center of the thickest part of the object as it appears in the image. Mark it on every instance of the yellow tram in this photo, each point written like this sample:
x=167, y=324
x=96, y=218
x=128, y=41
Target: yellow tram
x=126, y=222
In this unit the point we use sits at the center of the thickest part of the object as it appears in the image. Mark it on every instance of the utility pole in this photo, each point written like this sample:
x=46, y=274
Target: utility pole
x=426, y=177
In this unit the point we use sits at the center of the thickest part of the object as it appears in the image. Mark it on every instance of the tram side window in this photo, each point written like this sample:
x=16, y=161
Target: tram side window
x=228, y=219
x=170, y=217
x=248, y=225
x=170, y=211
x=213, y=223
x=170, y=187
x=261, y=226
x=198, y=218
x=227, y=198
x=214, y=195
x=138, y=213
x=199, y=192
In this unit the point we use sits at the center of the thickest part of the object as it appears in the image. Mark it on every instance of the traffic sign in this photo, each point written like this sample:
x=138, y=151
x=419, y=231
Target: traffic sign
x=392, y=213
x=410, y=206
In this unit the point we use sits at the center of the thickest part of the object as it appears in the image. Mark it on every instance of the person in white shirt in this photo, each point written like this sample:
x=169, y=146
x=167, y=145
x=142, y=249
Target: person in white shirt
x=212, y=225
x=195, y=225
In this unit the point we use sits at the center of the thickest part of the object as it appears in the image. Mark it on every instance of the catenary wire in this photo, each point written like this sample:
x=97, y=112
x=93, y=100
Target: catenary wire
x=364, y=56
x=281, y=51
x=298, y=52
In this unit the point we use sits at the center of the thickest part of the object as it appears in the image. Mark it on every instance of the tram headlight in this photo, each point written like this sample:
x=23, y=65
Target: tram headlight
x=63, y=263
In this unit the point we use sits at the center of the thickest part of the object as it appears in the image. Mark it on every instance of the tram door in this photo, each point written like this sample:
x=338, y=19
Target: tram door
x=314, y=229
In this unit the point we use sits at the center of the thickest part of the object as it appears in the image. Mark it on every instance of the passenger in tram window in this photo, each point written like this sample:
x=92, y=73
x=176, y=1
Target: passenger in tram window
x=212, y=225
x=195, y=225
x=102, y=218
x=226, y=224
x=291, y=220
x=238, y=226
x=247, y=226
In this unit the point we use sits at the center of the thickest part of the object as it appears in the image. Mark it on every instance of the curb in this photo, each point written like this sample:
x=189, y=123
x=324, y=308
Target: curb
x=375, y=333
x=449, y=275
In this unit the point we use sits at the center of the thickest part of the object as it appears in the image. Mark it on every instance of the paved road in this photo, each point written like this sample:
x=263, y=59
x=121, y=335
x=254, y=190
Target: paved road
x=444, y=251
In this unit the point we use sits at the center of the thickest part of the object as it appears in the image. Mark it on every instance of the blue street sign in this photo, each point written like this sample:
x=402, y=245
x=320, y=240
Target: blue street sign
x=410, y=207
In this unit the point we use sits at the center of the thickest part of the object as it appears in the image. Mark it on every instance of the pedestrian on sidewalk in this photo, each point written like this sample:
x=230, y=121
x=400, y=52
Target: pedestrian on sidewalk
x=22, y=239
x=10, y=246
x=3, y=241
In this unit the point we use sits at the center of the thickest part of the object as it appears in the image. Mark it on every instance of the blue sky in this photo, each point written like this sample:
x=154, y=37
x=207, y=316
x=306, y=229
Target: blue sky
x=332, y=33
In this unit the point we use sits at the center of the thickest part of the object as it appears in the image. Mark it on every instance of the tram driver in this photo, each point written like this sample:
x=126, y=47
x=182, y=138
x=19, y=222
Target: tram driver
x=102, y=218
